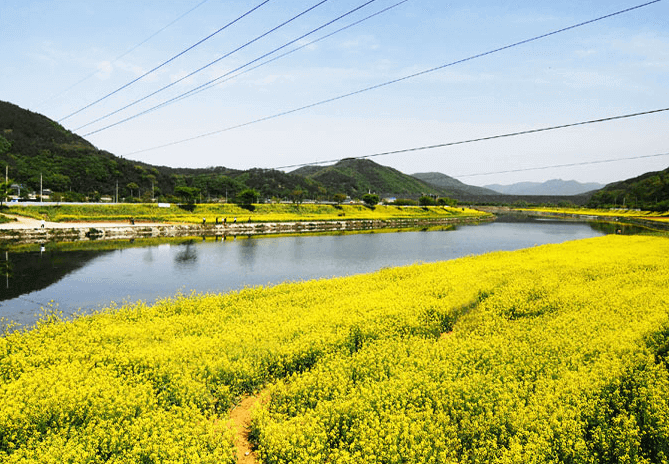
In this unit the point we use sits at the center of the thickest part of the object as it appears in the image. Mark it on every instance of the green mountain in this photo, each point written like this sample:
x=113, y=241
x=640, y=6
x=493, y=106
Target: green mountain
x=452, y=187
x=34, y=146
x=355, y=177
x=649, y=191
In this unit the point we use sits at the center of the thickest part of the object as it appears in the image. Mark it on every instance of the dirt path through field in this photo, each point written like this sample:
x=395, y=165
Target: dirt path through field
x=241, y=418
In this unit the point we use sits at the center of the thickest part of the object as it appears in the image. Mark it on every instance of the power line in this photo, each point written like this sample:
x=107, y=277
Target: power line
x=482, y=139
x=127, y=52
x=166, y=62
x=394, y=81
x=220, y=79
x=210, y=64
x=582, y=163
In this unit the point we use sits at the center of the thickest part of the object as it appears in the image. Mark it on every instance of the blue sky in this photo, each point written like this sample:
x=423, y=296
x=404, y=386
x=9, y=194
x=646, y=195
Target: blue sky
x=615, y=66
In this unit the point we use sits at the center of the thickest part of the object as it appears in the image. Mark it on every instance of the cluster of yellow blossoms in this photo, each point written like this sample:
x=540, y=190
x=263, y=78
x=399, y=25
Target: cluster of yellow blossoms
x=552, y=354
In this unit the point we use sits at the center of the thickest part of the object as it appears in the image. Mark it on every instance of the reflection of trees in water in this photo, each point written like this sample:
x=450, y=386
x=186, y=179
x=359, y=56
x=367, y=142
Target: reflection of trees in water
x=187, y=255
x=6, y=269
x=29, y=272
x=247, y=251
x=147, y=257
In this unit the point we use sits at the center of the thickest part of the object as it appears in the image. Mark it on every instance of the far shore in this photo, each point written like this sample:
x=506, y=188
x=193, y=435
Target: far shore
x=27, y=230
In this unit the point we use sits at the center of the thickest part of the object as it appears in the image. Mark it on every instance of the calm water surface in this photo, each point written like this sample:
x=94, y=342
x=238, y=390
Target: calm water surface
x=92, y=279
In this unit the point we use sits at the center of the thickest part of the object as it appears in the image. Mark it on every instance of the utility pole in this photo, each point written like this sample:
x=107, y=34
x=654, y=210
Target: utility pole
x=116, y=191
x=40, y=188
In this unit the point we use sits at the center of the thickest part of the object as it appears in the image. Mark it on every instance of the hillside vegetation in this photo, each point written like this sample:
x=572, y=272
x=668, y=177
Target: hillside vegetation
x=359, y=176
x=32, y=145
x=451, y=186
x=649, y=191
x=556, y=353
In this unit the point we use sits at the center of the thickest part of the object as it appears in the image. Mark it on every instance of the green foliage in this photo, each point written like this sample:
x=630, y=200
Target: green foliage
x=649, y=191
x=426, y=200
x=5, y=188
x=445, y=201
x=188, y=194
x=370, y=199
x=356, y=176
x=5, y=145
x=339, y=198
x=247, y=197
x=405, y=202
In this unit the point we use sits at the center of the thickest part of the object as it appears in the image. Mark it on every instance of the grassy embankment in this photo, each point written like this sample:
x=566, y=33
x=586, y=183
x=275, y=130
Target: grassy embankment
x=619, y=213
x=557, y=353
x=257, y=213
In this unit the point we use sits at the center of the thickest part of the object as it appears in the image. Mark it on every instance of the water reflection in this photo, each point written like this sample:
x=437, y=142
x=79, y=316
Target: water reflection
x=30, y=272
x=187, y=255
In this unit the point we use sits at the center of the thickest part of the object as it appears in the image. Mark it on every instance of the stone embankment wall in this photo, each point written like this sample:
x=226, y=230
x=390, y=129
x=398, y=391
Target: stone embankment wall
x=118, y=232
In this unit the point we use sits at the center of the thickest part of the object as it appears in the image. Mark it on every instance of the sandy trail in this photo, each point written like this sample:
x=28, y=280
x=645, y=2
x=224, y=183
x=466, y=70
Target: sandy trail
x=241, y=418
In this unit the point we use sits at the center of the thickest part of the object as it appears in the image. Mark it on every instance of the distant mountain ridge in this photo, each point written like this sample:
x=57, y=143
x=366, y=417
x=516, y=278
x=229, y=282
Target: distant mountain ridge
x=450, y=185
x=553, y=187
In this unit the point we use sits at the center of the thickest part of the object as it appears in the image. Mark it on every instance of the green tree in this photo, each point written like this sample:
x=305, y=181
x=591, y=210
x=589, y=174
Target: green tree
x=339, y=198
x=247, y=196
x=443, y=201
x=132, y=186
x=426, y=200
x=187, y=194
x=370, y=199
x=297, y=195
x=5, y=187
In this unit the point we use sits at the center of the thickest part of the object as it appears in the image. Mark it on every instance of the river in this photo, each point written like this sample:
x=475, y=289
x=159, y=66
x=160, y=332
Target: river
x=75, y=281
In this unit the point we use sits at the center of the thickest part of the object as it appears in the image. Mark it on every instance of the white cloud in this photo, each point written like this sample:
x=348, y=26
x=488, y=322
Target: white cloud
x=652, y=51
x=360, y=43
x=589, y=79
x=585, y=53
x=105, y=70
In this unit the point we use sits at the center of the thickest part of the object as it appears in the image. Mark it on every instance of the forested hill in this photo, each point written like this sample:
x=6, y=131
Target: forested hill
x=32, y=145
x=649, y=191
x=450, y=184
x=356, y=177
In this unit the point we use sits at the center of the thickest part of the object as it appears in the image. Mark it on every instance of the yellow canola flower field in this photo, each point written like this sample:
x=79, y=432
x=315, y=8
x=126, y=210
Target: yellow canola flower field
x=557, y=353
x=257, y=213
x=613, y=212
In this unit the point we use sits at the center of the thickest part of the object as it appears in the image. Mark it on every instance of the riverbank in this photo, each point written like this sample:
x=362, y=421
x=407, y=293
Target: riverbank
x=215, y=220
x=505, y=357
x=211, y=213
x=647, y=219
x=59, y=232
